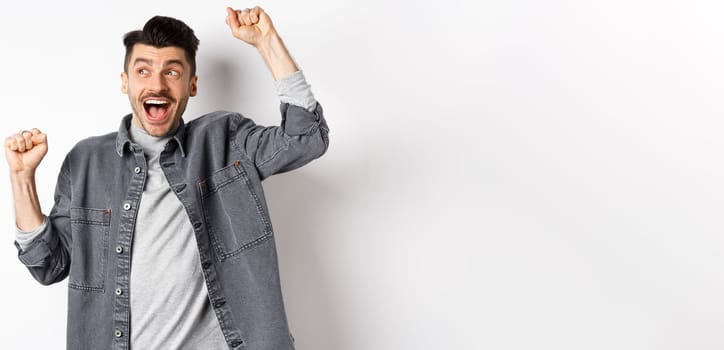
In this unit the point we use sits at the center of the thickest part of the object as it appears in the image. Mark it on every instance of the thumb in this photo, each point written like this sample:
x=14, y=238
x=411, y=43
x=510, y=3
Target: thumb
x=232, y=19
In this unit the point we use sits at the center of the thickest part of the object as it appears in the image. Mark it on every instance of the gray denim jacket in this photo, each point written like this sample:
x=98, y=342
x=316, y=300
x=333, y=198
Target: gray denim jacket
x=215, y=165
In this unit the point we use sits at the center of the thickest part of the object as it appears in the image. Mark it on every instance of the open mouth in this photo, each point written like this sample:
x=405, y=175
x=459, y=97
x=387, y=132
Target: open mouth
x=156, y=109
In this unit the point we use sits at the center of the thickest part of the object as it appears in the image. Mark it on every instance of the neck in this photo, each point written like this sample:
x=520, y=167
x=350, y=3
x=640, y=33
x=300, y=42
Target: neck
x=150, y=144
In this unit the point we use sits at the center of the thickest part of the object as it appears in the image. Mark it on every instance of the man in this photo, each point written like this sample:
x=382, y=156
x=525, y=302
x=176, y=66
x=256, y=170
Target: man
x=162, y=227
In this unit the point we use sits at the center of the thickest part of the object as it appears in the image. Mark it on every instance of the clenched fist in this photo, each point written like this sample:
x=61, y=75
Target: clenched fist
x=25, y=150
x=249, y=25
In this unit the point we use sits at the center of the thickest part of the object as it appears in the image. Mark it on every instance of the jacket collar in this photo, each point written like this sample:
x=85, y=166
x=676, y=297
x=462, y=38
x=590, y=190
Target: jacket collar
x=123, y=140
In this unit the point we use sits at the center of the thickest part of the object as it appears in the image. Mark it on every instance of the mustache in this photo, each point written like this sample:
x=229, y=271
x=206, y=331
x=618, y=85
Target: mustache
x=157, y=95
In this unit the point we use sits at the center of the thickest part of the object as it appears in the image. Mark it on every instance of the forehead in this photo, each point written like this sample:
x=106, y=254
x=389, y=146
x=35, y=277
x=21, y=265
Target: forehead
x=156, y=55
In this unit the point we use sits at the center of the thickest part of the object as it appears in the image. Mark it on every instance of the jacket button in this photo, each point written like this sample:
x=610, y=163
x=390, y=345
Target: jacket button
x=119, y=291
x=197, y=225
x=126, y=206
x=219, y=304
x=236, y=343
x=137, y=170
x=119, y=249
x=118, y=333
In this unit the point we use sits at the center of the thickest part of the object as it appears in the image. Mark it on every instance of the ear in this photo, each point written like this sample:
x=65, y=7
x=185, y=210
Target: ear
x=194, y=82
x=124, y=83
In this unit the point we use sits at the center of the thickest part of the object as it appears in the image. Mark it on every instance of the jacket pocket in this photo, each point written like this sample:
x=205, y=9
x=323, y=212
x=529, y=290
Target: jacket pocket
x=89, y=253
x=234, y=215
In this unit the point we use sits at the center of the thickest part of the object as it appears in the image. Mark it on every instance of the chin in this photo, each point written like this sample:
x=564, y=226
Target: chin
x=157, y=130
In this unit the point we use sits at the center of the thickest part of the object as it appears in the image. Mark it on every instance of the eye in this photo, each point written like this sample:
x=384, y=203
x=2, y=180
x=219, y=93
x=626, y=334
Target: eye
x=173, y=73
x=143, y=72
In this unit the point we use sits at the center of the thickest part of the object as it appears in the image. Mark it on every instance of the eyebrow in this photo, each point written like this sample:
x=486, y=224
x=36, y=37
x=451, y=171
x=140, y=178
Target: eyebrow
x=167, y=63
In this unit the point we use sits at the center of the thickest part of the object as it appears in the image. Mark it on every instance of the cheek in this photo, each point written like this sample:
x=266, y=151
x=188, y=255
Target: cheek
x=183, y=92
x=131, y=93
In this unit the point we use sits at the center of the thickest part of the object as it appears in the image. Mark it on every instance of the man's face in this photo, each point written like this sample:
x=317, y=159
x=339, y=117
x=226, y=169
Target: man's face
x=158, y=84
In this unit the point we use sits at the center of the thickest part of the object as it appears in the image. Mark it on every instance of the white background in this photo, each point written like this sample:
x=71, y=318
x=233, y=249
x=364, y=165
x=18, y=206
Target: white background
x=513, y=174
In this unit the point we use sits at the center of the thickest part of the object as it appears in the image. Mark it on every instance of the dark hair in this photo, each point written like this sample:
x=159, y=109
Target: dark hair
x=163, y=32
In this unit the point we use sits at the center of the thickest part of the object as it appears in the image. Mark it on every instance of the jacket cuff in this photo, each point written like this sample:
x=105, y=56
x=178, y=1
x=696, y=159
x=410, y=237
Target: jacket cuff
x=25, y=238
x=39, y=249
x=297, y=121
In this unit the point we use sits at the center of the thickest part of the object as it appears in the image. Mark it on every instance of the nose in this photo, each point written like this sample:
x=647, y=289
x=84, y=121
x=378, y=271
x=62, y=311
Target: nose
x=158, y=83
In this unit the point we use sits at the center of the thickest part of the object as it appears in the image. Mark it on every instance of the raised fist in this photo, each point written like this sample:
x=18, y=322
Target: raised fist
x=249, y=25
x=25, y=150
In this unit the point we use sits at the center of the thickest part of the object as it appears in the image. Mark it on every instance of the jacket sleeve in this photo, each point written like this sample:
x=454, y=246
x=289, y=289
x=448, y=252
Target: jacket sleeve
x=301, y=138
x=47, y=257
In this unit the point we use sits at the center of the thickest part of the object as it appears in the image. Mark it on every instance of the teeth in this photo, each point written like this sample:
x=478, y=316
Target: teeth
x=155, y=102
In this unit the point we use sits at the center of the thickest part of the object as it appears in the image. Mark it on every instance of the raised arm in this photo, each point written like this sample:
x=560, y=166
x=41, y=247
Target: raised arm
x=302, y=135
x=23, y=152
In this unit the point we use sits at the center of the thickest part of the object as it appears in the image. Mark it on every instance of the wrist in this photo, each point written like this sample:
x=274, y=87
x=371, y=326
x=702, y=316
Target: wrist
x=23, y=184
x=272, y=49
x=22, y=177
x=28, y=215
x=268, y=43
